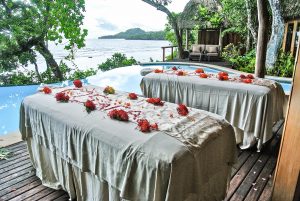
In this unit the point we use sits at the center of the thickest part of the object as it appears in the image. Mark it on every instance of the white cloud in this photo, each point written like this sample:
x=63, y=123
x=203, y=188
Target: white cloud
x=104, y=17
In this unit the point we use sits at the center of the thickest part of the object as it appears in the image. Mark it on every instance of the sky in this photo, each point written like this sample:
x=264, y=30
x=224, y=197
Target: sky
x=106, y=17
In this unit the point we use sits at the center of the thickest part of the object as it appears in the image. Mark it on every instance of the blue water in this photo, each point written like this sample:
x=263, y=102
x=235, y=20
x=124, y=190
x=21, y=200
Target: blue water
x=123, y=79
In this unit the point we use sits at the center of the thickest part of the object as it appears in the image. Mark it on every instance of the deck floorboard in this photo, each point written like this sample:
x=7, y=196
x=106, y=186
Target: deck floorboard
x=251, y=178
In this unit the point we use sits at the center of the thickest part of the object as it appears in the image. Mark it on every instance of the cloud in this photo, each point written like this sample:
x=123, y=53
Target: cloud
x=105, y=25
x=105, y=17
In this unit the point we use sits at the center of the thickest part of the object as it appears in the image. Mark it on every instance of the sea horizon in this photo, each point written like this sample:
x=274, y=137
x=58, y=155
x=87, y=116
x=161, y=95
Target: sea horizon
x=98, y=51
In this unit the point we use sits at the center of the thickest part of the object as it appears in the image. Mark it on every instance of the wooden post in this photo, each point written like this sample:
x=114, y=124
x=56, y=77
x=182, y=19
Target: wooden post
x=172, y=56
x=163, y=53
x=288, y=164
x=187, y=38
x=262, y=40
x=293, y=37
x=284, y=37
x=220, y=41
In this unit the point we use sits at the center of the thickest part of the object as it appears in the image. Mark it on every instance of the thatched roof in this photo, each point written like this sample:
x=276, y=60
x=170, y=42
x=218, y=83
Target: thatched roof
x=290, y=9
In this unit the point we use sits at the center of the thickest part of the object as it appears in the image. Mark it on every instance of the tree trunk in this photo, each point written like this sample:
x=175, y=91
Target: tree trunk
x=248, y=41
x=275, y=41
x=250, y=24
x=262, y=39
x=178, y=34
x=37, y=72
x=44, y=51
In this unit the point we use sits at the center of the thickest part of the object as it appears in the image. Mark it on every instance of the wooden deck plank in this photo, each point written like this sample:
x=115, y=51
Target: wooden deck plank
x=30, y=192
x=241, y=174
x=16, y=180
x=267, y=192
x=11, y=188
x=14, y=158
x=18, y=160
x=18, y=164
x=15, y=170
x=62, y=198
x=21, y=191
x=262, y=180
x=40, y=195
x=17, y=174
x=251, y=177
x=241, y=160
x=54, y=195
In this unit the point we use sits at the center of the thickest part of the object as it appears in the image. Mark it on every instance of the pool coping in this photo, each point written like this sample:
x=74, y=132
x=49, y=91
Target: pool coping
x=10, y=138
x=221, y=68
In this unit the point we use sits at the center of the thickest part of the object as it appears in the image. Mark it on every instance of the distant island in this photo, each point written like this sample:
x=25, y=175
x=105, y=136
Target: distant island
x=137, y=34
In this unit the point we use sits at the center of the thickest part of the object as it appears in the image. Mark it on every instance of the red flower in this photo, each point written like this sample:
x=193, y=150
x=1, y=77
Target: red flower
x=155, y=101
x=250, y=76
x=223, y=77
x=242, y=76
x=144, y=125
x=62, y=97
x=203, y=75
x=89, y=106
x=154, y=126
x=180, y=73
x=222, y=74
x=120, y=115
x=182, y=110
x=174, y=68
x=158, y=71
x=132, y=96
x=77, y=83
x=199, y=70
x=109, y=90
x=47, y=90
x=247, y=81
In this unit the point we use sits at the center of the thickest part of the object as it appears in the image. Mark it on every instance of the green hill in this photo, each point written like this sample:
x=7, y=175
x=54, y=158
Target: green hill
x=137, y=34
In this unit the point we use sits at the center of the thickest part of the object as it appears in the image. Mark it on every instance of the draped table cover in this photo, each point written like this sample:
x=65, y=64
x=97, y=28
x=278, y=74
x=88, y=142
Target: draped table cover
x=93, y=157
x=251, y=108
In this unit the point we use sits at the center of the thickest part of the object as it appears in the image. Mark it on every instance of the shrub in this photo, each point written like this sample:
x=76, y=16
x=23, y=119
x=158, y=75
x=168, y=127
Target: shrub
x=117, y=60
x=284, y=65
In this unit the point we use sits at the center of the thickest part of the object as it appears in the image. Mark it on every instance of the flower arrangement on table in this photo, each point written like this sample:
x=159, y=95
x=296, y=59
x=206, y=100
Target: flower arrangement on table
x=124, y=107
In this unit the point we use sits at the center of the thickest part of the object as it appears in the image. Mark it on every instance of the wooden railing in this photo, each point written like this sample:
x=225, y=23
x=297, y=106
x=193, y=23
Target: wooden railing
x=172, y=53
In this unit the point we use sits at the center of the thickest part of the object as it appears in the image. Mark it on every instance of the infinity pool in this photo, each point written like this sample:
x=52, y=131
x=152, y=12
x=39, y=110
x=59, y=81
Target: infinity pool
x=123, y=79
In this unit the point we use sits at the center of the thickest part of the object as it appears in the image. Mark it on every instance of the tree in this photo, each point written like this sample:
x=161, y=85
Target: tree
x=173, y=19
x=275, y=41
x=262, y=39
x=27, y=26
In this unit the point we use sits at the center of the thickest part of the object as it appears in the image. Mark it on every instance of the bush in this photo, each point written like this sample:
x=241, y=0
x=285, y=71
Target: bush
x=284, y=65
x=117, y=60
x=245, y=63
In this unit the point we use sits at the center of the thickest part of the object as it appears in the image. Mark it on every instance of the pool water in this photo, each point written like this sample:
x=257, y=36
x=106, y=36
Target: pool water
x=123, y=79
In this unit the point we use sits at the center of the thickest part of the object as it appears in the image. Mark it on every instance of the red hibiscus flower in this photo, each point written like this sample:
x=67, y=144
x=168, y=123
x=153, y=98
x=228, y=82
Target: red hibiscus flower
x=77, y=83
x=120, y=115
x=199, y=70
x=47, y=90
x=223, y=73
x=174, y=68
x=154, y=126
x=144, y=125
x=242, y=76
x=89, y=106
x=62, y=97
x=250, y=76
x=132, y=96
x=223, y=77
x=180, y=73
x=182, y=110
x=109, y=90
x=155, y=101
x=247, y=81
x=203, y=75
x=158, y=71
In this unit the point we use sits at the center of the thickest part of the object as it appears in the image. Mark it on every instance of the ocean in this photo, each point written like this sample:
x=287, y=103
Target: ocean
x=97, y=51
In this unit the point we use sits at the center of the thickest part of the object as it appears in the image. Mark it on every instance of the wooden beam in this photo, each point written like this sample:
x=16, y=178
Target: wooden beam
x=293, y=37
x=288, y=165
x=284, y=38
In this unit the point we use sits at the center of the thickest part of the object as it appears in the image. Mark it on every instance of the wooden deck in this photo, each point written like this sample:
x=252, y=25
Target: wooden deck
x=251, y=177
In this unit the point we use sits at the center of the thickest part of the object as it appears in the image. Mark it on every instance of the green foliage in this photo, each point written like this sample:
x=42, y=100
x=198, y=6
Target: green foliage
x=30, y=77
x=117, y=60
x=26, y=25
x=284, y=66
x=245, y=63
x=208, y=18
x=4, y=154
x=169, y=57
x=137, y=34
